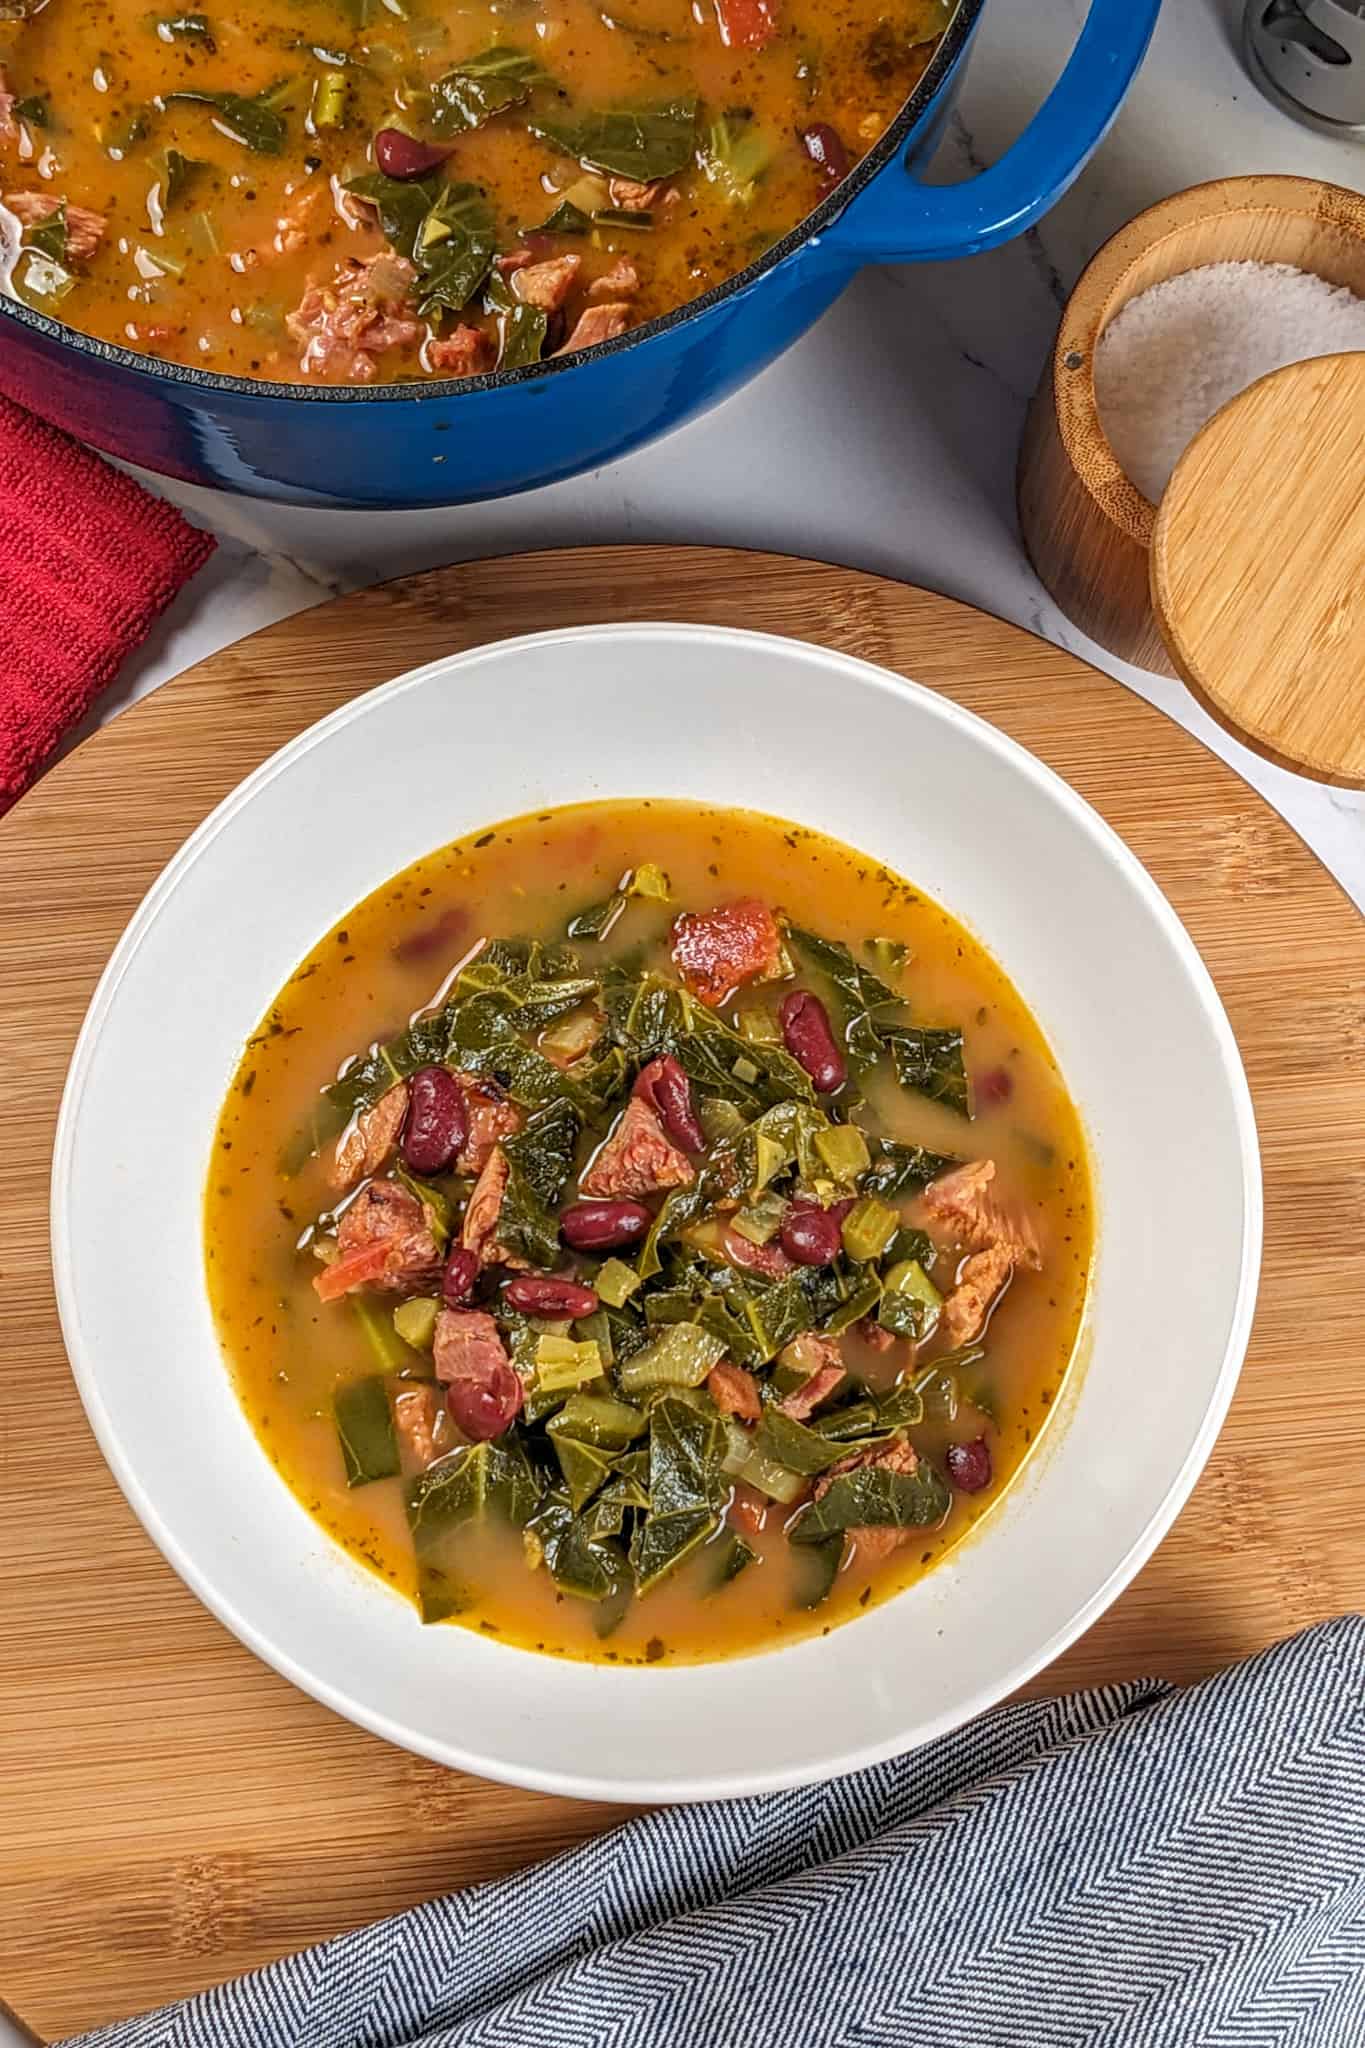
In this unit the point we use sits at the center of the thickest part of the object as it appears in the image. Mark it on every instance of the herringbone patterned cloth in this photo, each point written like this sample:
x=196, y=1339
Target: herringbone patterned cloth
x=1130, y=1868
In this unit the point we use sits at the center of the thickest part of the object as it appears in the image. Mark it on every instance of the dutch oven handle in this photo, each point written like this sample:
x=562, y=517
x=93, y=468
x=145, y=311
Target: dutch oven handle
x=898, y=221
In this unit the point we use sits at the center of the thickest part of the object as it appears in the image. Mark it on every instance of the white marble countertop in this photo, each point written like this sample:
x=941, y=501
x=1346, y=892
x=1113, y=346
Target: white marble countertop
x=909, y=395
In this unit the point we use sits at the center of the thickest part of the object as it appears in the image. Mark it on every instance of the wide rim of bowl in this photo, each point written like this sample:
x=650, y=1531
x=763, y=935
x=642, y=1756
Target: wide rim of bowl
x=740, y=1782
x=822, y=217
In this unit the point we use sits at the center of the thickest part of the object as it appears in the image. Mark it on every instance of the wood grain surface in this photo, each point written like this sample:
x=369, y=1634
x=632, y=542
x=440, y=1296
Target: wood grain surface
x=171, y=1811
x=1294, y=447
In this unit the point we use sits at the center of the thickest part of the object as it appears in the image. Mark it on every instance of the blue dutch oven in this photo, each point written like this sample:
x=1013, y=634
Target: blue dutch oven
x=446, y=442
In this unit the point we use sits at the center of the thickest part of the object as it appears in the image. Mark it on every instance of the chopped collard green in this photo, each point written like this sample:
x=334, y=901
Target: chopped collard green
x=611, y=1269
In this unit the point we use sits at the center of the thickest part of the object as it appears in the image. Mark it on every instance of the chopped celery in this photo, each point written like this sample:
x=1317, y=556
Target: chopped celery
x=388, y=1347
x=938, y=1388
x=560, y=1362
x=889, y=955
x=599, y=1419
x=910, y=1301
x=760, y=1027
x=720, y=1120
x=743, y=1460
x=858, y=1304
x=770, y=1156
x=760, y=1222
x=586, y=193
x=329, y=100
x=596, y=1329
x=869, y=1228
x=625, y=220
x=745, y=1071
x=844, y=1151
x=650, y=880
x=415, y=1321
x=735, y=155
x=680, y=1356
x=616, y=1282
x=205, y=234
x=573, y=1037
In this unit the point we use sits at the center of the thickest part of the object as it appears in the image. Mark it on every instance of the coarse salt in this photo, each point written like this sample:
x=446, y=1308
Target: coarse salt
x=1182, y=349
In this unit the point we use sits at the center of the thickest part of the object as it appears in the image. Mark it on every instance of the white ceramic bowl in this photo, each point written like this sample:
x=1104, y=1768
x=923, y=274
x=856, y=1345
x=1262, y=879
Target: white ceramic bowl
x=730, y=718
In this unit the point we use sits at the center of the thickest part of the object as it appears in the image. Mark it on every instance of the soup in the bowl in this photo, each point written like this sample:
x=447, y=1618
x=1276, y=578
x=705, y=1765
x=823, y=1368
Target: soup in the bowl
x=341, y=191
x=645, y=1231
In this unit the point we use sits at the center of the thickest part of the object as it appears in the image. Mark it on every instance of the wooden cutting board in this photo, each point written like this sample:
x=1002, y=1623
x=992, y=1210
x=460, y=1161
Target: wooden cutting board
x=171, y=1811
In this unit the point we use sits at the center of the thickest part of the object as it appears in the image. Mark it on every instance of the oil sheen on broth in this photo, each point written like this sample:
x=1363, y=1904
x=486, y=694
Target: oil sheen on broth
x=393, y=956
x=340, y=191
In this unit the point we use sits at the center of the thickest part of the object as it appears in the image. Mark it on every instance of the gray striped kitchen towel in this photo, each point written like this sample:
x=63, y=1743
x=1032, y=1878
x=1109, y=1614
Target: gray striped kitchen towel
x=1133, y=1867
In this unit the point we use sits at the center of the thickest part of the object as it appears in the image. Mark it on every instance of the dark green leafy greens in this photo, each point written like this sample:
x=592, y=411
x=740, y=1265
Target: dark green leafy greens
x=620, y=1466
x=876, y=1497
x=902, y=1170
x=490, y=1478
x=566, y=219
x=686, y=1488
x=179, y=175
x=445, y=230
x=364, y=1420
x=583, y=1555
x=257, y=123
x=877, y=1025
x=522, y=329
x=48, y=236
x=930, y=1061
x=484, y=85
x=642, y=143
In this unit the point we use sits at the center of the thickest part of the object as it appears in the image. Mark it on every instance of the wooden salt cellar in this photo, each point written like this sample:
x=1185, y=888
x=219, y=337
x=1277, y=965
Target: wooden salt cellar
x=1087, y=527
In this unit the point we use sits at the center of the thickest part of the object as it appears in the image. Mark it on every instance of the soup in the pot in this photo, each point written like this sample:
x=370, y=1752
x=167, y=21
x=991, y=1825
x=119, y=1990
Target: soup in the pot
x=645, y=1231
x=340, y=191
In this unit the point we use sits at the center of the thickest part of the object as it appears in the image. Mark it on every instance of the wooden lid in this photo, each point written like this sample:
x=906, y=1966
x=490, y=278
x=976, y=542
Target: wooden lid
x=1258, y=567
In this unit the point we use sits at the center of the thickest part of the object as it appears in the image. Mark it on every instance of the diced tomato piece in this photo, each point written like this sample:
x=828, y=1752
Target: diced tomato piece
x=357, y=1269
x=716, y=950
x=746, y=24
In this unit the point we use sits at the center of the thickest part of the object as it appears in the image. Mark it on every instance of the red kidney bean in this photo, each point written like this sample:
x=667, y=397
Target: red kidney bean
x=667, y=1090
x=437, y=1121
x=485, y=1408
x=457, y=1282
x=437, y=937
x=994, y=1086
x=824, y=146
x=969, y=1465
x=603, y=1226
x=810, y=1236
x=403, y=156
x=810, y=1041
x=548, y=1294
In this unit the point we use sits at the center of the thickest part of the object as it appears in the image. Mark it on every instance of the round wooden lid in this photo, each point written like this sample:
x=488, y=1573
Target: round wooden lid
x=1258, y=567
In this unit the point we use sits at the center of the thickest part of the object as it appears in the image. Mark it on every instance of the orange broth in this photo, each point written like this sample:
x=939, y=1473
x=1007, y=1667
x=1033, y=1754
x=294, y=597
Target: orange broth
x=288, y=1353
x=215, y=220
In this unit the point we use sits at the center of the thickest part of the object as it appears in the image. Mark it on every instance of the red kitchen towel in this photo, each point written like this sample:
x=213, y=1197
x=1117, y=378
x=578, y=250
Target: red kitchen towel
x=88, y=561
